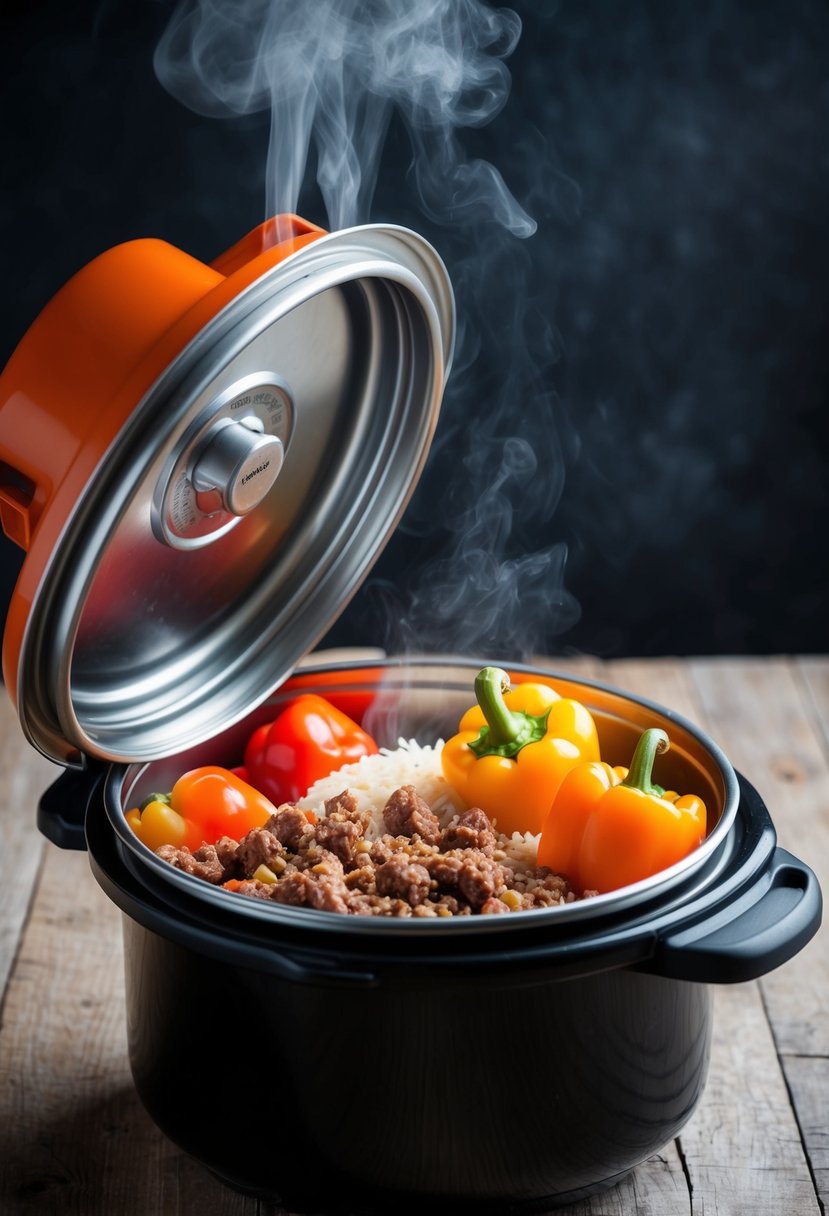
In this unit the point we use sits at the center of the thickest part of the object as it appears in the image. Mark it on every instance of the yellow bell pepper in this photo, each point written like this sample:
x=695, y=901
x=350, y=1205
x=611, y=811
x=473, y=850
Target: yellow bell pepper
x=609, y=827
x=514, y=748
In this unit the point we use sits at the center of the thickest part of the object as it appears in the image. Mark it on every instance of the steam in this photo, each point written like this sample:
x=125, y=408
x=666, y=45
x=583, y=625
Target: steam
x=335, y=76
x=331, y=73
x=497, y=472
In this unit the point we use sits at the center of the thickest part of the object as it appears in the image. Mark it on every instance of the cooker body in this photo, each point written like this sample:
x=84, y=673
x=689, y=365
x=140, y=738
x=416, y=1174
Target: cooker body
x=372, y=1064
x=480, y=1091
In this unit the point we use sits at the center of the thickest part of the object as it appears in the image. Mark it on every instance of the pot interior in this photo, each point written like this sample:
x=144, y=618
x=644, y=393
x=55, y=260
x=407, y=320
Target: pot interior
x=423, y=699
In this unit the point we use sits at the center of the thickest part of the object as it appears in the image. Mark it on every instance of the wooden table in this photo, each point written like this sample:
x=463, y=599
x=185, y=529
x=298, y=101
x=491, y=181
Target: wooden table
x=74, y=1139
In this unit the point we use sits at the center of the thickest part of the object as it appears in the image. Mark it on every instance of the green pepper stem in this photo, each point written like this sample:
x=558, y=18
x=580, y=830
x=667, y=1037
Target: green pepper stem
x=504, y=726
x=165, y=798
x=506, y=730
x=640, y=774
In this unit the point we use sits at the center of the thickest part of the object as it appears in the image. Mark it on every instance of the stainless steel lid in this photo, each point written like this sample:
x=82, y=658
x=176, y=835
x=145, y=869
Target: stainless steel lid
x=242, y=504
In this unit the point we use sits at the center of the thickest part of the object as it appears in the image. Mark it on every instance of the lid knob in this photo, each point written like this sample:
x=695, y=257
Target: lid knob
x=237, y=466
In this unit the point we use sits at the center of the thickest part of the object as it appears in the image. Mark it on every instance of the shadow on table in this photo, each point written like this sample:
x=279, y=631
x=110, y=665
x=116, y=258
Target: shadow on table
x=107, y=1157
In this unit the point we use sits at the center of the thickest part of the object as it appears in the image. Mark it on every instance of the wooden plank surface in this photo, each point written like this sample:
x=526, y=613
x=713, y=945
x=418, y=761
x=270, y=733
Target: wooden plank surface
x=742, y=1149
x=758, y=712
x=25, y=775
x=73, y=1137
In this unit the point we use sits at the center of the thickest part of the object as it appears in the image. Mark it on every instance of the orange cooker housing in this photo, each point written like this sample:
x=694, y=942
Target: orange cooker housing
x=91, y=354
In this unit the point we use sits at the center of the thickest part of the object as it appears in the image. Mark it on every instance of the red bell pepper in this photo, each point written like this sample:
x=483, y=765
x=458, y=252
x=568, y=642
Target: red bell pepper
x=310, y=739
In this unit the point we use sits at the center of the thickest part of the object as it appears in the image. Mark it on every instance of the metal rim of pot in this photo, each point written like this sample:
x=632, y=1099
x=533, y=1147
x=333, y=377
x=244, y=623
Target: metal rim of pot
x=120, y=782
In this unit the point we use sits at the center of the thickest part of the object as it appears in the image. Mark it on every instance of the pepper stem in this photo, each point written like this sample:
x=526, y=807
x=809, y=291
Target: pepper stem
x=651, y=743
x=165, y=798
x=506, y=731
x=504, y=725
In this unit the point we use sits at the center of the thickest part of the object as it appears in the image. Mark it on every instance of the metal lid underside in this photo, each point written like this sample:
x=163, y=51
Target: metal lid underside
x=156, y=625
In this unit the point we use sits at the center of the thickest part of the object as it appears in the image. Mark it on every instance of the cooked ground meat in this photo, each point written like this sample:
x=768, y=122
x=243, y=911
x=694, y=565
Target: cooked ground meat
x=415, y=869
x=405, y=879
x=204, y=863
x=381, y=850
x=548, y=890
x=345, y=804
x=226, y=850
x=406, y=814
x=327, y=892
x=289, y=825
x=252, y=886
x=322, y=861
x=469, y=873
x=292, y=889
x=258, y=848
x=472, y=831
x=340, y=835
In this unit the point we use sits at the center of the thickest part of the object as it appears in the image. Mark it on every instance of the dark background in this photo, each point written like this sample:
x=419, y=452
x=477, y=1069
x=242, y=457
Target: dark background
x=659, y=456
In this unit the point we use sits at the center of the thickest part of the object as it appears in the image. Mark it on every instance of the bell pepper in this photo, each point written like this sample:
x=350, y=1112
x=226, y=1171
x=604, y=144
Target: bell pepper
x=608, y=827
x=310, y=739
x=514, y=747
x=563, y=830
x=156, y=823
x=204, y=805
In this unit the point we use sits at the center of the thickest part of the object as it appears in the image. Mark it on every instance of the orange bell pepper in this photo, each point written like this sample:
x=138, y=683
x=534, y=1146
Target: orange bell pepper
x=563, y=829
x=514, y=748
x=204, y=805
x=608, y=827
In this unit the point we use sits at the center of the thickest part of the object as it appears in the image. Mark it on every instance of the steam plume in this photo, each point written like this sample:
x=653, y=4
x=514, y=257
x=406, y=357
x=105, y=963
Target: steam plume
x=333, y=74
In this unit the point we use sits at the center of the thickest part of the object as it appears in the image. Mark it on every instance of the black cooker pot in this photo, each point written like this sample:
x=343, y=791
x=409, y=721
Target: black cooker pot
x=507, y=1063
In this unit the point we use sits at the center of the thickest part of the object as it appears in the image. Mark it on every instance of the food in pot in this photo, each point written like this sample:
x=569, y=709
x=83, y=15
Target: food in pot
x=378, y=848
x=609, y=827
x=310, y=739
x=204, y=804
x=400, y=832
x=514, y=748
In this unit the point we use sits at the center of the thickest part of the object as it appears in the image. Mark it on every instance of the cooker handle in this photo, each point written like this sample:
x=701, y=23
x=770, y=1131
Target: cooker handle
x=61, y=811
x=771, y=921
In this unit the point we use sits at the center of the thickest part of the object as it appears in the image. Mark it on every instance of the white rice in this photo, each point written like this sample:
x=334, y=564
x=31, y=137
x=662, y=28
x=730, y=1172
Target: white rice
x=373, y=779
